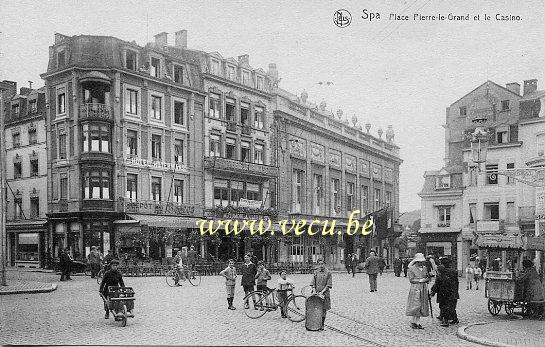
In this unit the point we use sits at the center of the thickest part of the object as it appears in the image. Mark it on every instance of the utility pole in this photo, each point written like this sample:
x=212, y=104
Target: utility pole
x=3, y=194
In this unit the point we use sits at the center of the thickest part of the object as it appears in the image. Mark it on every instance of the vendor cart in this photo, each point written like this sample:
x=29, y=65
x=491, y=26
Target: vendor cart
x=501, y=286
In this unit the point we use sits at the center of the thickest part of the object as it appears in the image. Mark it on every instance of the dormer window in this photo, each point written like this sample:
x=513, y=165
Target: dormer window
x=33, y=106
x=15, y=110
x=215, y=67
x=61, y=58
x=231, y=72
x=130, y=60
x=443, y=182
x=178, y=73
x=246, y=78
x=155, y=68
x=463, y=111
x=259, y=82
x=505, y=105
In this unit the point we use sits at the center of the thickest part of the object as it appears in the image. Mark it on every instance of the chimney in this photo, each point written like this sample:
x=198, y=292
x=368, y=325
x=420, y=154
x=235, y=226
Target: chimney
x=514, y=87
x=9, y=86
x=161, y=39
x=25, y=90
x=244, y=59
x=530, y=86
x=273, y=72
x=59, y=38
x=180, y=40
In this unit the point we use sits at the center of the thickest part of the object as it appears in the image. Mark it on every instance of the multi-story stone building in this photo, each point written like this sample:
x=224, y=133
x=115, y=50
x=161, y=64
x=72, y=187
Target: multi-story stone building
x=125, y=125
x=487, y=202
x=328, y=169
x=26, y=177
x=239, y=173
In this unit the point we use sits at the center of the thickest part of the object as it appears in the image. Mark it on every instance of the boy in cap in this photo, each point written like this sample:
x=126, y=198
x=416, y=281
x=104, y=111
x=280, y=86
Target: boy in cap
x=230, y=274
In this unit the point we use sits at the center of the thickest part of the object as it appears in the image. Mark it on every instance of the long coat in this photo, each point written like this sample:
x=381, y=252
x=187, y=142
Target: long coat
x=417, y=302
x=446, y=286
x=320, y=280
x=371, y=265
x=532, y=289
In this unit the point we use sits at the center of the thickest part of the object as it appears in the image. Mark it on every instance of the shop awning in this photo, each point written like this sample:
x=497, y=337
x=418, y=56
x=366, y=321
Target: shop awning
x=160, y=221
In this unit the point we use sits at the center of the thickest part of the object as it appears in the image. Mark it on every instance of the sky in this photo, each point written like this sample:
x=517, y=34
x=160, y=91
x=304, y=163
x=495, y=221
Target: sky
x=399, y=73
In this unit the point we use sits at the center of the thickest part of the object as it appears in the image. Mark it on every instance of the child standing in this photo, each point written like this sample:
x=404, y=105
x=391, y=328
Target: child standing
x=477, y=273
x=230, y=274
x=284, y=284
x=470, y=271
x=262, y=276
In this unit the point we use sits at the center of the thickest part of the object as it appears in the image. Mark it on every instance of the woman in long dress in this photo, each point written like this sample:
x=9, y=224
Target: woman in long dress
x=417, y=302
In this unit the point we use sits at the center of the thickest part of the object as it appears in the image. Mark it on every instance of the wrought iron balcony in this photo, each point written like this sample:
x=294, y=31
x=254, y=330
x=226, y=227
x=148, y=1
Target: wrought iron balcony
x=236, y=166
x=95, y=111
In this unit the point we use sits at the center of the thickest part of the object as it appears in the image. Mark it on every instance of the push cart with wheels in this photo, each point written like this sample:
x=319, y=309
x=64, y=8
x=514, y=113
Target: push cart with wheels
x=120, y=302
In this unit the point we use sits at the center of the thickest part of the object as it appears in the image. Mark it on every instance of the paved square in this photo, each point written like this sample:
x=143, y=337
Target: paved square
x=185, y=315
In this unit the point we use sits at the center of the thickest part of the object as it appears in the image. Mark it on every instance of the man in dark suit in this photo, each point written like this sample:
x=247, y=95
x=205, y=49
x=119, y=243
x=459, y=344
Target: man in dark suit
x=371, y=266
x=65, y=263
x=249, y=270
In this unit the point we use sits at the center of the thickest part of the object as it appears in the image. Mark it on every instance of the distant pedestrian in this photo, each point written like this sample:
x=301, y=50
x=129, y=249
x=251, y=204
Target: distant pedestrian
x=532, y=289
x=406, y=262
x=455, y=283
x=249, y=270
x=348, y=262
x=354, y=264
x=65, y=263
x=230, y=274
x=381, y=265
x=321, y=283
x=192, y=259
x=93, y=260
x=398, y=264
x=417, y=302
x=371, y=266
x=431, y=266
x=477, y=274
x=470, y=273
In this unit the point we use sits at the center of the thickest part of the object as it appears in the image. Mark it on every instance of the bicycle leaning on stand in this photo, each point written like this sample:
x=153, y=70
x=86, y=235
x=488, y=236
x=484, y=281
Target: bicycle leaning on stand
x=260, y=303
x=173, y=276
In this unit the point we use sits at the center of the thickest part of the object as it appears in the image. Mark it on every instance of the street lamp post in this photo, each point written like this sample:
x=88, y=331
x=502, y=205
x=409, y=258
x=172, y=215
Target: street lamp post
x=3, y=234
x=479, y=149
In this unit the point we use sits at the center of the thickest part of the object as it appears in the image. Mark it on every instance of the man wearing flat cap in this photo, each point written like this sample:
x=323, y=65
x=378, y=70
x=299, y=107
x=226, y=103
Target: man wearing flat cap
x=111, y=278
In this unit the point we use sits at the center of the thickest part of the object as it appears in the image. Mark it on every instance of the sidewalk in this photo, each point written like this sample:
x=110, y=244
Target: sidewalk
x=26, y=287
x=520, y=332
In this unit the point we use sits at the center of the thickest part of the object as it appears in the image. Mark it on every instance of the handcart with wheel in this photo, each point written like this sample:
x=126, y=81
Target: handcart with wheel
x=120, y=302
x=501, y=287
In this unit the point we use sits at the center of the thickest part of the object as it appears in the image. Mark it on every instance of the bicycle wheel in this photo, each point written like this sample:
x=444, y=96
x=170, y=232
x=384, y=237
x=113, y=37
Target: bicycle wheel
x=194, y=278
x=256, y=304
x=297, y=308
x=170, y=277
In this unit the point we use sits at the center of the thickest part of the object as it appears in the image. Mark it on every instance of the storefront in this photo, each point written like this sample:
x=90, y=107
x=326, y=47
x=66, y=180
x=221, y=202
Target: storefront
x=26, y=243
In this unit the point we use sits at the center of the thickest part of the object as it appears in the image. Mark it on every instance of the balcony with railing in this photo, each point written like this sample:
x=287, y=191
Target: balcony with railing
x=95, y=111
x=231, y=126
x=246, y=129
x=240, y=167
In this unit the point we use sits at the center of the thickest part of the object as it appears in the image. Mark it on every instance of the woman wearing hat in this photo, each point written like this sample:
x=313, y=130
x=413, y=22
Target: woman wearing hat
x=417, y=302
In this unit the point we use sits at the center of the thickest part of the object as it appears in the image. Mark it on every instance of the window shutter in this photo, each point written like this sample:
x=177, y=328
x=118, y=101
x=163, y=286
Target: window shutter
x=514, y=133
x=53, y=143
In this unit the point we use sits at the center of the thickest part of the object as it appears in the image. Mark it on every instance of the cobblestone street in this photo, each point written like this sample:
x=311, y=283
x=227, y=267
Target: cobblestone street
x=197, y=315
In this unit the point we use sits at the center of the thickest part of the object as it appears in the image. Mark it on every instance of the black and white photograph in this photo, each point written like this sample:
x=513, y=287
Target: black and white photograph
x=272, y=173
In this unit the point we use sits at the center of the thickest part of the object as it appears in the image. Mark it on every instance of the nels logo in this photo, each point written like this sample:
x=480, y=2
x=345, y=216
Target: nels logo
x=342, y=18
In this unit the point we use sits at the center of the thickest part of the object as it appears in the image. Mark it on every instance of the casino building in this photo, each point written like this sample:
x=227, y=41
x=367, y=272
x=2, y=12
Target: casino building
x=125, y=125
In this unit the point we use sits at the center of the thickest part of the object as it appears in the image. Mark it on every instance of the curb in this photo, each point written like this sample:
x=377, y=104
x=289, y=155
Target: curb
x=30, y=291
x=461, y=333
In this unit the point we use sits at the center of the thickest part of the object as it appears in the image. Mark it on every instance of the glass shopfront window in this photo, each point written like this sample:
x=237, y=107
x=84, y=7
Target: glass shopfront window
x=27, y=247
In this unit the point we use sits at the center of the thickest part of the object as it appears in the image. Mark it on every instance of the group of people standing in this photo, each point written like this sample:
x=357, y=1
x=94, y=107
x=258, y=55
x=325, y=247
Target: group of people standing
x=445, y=286
x=251, y=273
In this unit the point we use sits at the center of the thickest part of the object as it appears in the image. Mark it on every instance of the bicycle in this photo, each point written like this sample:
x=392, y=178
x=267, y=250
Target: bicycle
x=172, y=277
x=260, y=303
